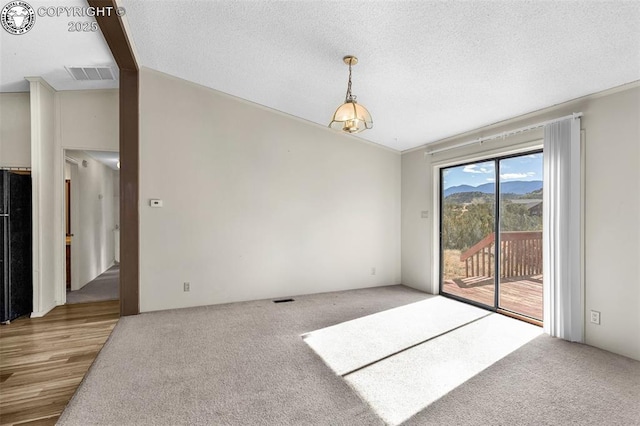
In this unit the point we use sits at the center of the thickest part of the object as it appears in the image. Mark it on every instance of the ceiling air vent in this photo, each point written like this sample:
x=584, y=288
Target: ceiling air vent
x=91, y=73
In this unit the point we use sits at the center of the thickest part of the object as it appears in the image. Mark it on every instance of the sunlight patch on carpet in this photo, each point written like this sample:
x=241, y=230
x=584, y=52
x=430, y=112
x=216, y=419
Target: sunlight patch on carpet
x=400, y=386
x=355, y=344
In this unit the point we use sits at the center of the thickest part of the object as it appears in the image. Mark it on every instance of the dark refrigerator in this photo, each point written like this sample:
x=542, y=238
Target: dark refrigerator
x=16, y=280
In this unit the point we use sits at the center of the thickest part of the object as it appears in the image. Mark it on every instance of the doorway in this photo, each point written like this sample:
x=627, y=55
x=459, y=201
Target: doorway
x=71, y=219
x=92, y=204
x=491, y=234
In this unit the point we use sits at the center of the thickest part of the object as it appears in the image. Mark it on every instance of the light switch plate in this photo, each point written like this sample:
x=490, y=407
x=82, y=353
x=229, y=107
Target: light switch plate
x=155, y=203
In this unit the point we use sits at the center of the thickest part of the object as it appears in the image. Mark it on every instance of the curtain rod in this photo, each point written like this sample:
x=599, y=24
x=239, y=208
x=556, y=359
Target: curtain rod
x=505, y=134
x=16, y=168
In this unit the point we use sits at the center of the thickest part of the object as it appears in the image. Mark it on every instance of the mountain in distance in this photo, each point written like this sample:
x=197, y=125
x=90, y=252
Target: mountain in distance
x=513, y=187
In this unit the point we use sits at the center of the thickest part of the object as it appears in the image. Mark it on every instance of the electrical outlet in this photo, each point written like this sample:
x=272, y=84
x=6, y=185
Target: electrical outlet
x=187, y=286
x=373, y=271
x=595, y=317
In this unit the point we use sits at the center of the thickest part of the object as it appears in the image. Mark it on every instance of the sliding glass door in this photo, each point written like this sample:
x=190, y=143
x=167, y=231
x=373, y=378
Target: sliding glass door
x=498, y=270
x=520, y=284
x=468, y=200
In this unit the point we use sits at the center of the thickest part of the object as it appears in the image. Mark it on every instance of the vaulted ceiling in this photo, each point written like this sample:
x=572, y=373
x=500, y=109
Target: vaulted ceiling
x=427, y=69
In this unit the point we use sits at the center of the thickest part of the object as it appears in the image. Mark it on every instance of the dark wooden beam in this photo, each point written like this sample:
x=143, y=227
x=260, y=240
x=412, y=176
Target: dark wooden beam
x=129, y=181
x=116, y=37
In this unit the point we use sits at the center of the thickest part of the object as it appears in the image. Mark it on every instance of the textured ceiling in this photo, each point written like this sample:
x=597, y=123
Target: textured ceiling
x=48, y=47
x=108, y=158
x=427, y=70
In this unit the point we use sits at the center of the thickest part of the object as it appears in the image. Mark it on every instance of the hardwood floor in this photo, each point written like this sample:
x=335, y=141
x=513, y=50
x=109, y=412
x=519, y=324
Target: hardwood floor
x=43, y=360
x=522, y=295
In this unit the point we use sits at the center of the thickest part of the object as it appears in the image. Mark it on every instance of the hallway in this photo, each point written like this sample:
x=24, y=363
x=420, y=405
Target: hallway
x=104, y=287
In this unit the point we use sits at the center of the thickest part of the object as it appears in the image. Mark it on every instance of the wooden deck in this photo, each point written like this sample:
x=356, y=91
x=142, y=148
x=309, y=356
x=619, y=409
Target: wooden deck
x=521, y=295
x=43, y=360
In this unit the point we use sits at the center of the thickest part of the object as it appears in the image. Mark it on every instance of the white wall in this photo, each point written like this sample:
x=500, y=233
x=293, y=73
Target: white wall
x=612, y=214
x=42, y=122
x=94, y=235
x=416, y=230
x=85, y=120
x=15, y=130
x=82, y=120
x=612, y=207
x=257, y=204
x=89, y=119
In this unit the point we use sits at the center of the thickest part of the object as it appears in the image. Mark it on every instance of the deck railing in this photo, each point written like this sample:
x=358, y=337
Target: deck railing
x=521, y=254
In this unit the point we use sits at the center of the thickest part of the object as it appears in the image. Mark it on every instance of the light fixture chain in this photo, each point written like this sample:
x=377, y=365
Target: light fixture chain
x=349, y=96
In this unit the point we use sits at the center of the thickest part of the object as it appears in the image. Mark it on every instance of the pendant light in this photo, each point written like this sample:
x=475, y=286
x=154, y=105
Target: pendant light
x=351, y=117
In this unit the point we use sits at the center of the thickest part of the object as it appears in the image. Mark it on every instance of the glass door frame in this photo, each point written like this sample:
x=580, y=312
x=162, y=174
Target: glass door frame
x=496, y=264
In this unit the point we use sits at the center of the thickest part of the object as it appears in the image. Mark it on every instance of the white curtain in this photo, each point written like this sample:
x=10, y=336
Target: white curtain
x=562, y=278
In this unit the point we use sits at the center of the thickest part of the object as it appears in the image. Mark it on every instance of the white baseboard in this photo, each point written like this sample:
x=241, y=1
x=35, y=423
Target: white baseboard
x=43, y=312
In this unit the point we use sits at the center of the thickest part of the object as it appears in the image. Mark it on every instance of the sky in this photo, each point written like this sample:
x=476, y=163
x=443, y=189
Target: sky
x=525, y=167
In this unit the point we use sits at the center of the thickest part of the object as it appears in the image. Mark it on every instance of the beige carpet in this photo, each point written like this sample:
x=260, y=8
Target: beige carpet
x=400, y=386
x=355, y=344
x=245, y=364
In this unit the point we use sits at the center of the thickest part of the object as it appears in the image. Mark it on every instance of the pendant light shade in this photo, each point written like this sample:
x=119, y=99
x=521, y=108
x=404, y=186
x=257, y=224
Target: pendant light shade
x=351, y=117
